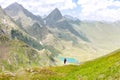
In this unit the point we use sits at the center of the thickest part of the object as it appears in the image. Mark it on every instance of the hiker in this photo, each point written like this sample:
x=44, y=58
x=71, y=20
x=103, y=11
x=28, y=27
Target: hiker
x=65, y=60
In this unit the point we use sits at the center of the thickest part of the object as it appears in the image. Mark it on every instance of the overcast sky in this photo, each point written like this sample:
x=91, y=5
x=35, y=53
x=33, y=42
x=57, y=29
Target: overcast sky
x=107, y=10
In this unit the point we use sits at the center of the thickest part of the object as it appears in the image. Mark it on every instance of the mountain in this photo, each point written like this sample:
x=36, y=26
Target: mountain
x=56, y=20
x=102, y=34
x=27, y=21
x=94, y=37
x=11, y=50
x=54, y=16
x=18, y=49
x=63, y=36
x=7, y=23
x=12, y=29
x=19, y=8
x=74, y=44
x=34, y=26
x=72, y=20
x=50, y=40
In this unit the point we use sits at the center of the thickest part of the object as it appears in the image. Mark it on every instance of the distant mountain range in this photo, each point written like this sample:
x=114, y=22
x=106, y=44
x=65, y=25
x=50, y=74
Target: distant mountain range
x=56, y=35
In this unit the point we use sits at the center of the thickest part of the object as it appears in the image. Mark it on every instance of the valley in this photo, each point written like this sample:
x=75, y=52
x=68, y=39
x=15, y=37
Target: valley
x=33, y=47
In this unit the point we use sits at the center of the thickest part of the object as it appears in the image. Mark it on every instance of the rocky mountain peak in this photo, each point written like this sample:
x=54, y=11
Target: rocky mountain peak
x=17, y=9
x=54, y=16
x=14, y=9
x=14, y=6
x=56, y=11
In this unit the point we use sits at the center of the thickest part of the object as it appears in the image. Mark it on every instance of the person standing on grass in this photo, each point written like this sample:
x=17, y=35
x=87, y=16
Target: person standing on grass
x=65, y=60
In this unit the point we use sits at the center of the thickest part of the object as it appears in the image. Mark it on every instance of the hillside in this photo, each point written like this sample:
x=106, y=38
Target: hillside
x=102, y=34
x=18, y=49
x=28, y=22
x=80, y=40
x=15, y=54
x=103, y=68
x=54, y=33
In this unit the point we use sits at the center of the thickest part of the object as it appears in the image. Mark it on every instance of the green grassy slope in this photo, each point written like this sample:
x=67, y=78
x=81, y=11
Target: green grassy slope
x=104, y=68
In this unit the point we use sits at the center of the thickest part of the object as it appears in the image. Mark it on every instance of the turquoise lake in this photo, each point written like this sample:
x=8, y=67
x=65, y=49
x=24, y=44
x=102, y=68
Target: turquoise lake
x=69, y=60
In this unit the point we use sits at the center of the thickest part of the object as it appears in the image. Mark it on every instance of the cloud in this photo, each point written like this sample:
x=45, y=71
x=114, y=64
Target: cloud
x=5, y=3
x=107, y=10
x=42, y=7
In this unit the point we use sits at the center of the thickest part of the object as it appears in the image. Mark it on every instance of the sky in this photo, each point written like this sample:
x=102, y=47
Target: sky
x=92, y=10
